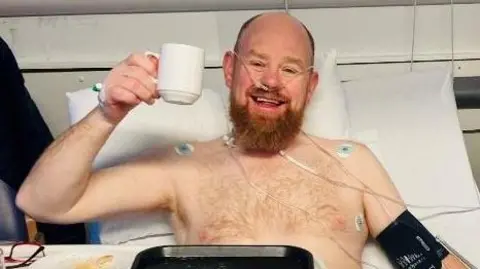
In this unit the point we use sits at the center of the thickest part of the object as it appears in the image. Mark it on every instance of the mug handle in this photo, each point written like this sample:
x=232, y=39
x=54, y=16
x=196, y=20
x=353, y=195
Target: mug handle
x=150, y=53
x=156, y=55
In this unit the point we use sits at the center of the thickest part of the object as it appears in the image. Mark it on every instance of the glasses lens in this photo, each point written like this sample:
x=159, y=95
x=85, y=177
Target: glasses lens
x=23, y=252
x=285, y=75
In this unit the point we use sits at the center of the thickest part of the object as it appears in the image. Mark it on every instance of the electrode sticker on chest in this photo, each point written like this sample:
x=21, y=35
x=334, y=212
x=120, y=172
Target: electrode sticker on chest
x=359, y=223
x=345, y=150
x=184, y=149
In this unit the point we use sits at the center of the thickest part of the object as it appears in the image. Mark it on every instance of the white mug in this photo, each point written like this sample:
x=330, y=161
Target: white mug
x=180, y=73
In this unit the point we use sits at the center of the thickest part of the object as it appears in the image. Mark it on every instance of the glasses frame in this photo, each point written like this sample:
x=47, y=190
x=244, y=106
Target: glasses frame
x=23, y=263
x=257, y=81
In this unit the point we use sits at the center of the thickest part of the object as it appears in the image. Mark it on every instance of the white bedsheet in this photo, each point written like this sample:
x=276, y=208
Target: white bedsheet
x=414, y=119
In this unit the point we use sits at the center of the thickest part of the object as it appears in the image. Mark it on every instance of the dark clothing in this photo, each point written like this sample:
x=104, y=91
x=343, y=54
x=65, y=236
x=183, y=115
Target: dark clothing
x=24, y=135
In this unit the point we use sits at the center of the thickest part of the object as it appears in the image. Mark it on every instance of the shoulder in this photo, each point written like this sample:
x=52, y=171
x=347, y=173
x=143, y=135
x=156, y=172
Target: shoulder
x=357, y=157
x=184, y=157
x=346, y=150
x=181, y=151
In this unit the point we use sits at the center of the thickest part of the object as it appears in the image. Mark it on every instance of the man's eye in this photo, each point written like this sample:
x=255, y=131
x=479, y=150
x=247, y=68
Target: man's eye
x=257, y=64
x=290, y=70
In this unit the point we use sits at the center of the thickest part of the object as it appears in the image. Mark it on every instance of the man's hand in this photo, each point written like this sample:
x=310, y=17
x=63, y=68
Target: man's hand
x=128, y=84
x=62, y=187
x=452, y=262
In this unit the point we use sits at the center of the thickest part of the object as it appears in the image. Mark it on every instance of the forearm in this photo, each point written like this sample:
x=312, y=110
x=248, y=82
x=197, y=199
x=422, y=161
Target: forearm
x=61, y=174
x=452, y=262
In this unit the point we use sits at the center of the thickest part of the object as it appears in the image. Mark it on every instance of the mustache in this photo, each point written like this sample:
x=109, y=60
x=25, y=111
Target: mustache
x=273, y=94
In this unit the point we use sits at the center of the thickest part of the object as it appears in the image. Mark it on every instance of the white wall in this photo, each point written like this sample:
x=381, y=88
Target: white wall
x=62, y=7
x=369, y=34
x=371, y=41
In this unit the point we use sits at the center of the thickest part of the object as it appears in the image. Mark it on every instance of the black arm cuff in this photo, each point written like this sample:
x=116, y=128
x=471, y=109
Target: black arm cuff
x=408, y=244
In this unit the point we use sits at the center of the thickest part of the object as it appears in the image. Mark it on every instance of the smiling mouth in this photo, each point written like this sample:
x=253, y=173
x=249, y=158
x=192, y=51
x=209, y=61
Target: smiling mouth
x=267, y=102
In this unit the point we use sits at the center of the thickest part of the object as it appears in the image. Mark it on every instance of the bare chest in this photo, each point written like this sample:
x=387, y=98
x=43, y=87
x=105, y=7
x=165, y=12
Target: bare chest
x=240, y=201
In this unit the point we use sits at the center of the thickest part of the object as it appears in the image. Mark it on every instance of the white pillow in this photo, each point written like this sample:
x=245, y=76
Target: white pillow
x=413, y=117
x=147, y=127
x=326, y=115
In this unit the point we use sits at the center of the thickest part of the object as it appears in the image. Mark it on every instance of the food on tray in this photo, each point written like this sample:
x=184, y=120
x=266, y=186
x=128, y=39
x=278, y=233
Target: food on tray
x=103, y=262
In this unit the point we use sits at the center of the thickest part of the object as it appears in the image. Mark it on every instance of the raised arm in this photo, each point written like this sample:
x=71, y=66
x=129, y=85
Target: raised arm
x=403, y=238
x=62, y=188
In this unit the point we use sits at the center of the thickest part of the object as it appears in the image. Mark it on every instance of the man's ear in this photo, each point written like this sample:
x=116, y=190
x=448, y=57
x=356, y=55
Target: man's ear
x=228, y=68
x=312, y=84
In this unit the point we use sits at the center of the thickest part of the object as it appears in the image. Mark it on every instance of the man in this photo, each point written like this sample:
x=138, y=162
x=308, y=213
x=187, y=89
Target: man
x=269, y=184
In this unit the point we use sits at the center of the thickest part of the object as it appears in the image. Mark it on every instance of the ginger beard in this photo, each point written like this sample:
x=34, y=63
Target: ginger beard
x=263, y=133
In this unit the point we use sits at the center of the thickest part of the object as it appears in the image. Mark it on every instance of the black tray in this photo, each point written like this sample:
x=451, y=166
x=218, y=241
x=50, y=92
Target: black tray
x=223, y=257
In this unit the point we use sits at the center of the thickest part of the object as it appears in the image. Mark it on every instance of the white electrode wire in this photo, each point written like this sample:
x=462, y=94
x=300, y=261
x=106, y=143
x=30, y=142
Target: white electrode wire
x=301, y=165
x=347, y=172
x=378, y=195
x=254, y=82
x=331, y=237
x=452, y=36
x=286, y=6
x=461, y=209
x=414, y=26
x=307, y=214
x=288, y=205
x=452, y=45
x=340, y=184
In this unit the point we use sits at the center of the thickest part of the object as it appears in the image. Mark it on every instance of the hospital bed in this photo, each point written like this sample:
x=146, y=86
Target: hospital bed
x=408, y=120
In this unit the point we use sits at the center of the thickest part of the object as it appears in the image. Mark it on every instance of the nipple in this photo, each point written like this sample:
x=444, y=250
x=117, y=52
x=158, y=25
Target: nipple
x=184, y=149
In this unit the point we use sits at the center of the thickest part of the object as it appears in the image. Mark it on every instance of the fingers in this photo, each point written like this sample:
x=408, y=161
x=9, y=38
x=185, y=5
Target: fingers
x=122, y=95
x=143, y=78
x=131, y=83
x=146, y=61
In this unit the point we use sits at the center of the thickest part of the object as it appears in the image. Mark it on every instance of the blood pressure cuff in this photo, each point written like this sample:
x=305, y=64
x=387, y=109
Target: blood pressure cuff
x=409, y=245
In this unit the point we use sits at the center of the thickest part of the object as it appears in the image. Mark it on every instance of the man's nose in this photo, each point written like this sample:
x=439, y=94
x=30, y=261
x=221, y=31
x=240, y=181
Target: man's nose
x=270, y=78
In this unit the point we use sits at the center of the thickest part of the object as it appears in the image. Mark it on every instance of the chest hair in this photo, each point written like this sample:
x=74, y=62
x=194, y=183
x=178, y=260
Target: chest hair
x=244, y=200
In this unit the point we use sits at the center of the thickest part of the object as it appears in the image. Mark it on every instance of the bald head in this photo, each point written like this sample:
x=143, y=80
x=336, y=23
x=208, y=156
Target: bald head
x=276, y=20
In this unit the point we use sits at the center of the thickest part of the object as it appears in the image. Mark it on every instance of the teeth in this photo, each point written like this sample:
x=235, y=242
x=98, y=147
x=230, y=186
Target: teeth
x=268, y=101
